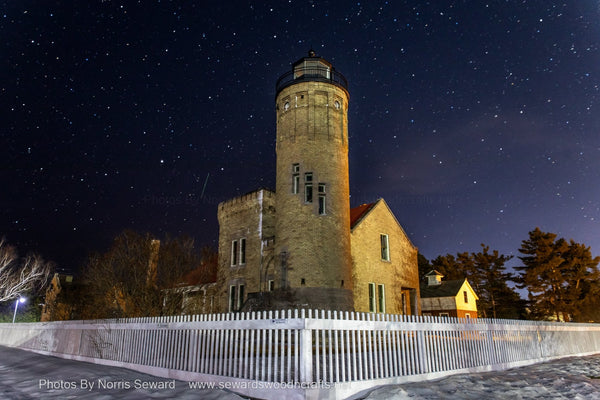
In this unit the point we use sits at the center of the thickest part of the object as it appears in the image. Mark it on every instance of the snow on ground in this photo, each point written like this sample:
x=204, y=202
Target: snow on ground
x=25, y=375
x=567, y=378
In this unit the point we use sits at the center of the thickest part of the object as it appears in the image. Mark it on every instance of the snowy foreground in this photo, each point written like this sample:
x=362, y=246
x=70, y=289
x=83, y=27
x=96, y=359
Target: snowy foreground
x=25, y=375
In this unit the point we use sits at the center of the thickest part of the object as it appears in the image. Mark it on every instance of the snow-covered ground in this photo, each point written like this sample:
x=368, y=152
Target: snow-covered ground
x=567, y=378
x=25, y=375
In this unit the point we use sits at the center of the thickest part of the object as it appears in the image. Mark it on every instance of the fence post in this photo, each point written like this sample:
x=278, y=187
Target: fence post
x=306, y=362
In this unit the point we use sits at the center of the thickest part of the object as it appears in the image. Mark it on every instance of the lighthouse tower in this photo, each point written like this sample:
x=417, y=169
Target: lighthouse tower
x=312, y=230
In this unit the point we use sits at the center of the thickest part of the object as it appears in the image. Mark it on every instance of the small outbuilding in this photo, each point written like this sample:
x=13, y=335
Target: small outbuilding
x=454, y=298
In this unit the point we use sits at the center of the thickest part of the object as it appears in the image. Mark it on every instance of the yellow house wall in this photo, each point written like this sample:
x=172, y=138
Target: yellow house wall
x=455, y=306
x=471, y=305
x=400, y=272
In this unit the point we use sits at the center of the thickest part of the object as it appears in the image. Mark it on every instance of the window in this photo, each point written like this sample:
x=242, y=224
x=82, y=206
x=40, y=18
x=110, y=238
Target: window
x=234, y=252
x=385, y=247
x=381, y=298
x=321, y=199
x=371, y=297
x=308, y=187
x=240, y=299
x=444, y=314
x=236, y=297
x=271, y=285
x=467, y=316
x=232, y=297
x=466, y=296
x=295, y=178
x=302, y=281
x=238, y=252
x=243, y=251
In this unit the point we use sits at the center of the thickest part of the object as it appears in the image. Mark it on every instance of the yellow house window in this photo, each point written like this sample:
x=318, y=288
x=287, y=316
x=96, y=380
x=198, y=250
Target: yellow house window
x=466, y=296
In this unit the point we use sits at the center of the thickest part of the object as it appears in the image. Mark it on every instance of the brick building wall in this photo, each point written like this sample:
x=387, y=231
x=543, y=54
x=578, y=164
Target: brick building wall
x=393, y=276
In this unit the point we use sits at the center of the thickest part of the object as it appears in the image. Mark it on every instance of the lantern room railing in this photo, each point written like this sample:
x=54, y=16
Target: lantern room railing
x=312, y=73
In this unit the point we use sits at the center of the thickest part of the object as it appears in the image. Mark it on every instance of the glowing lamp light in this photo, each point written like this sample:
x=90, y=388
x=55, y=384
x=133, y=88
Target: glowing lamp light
x=19, y=300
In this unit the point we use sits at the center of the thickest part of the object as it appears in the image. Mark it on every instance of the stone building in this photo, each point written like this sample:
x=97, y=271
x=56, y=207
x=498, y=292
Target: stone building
x=302, y=246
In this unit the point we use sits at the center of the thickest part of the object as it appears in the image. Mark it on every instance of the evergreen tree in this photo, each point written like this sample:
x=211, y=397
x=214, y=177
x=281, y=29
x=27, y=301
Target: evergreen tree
x=424, y=266
x=495, y=296
x=448, y=266
x=560, y=277
x=486, y=273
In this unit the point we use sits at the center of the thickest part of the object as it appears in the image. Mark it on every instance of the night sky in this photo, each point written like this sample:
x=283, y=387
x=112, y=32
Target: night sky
x=476, y=120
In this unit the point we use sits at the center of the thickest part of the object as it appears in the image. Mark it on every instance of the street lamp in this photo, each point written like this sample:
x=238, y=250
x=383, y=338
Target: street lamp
x=19, y=300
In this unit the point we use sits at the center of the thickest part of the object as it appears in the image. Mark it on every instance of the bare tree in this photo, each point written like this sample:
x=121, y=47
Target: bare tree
x=20, y=275
x=129, y=279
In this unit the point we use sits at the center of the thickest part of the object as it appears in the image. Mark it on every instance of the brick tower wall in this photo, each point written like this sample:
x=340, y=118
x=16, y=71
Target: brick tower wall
x=313, y=250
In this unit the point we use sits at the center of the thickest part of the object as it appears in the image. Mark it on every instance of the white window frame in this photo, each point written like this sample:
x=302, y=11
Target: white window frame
x=242, y=250
x=232, y=297
x=308, y=187
x=384, y=240
x=241, y=292
x=381, y=297
x=322, y=201
x=295, y=178
x=372, y=297
x=234, y=252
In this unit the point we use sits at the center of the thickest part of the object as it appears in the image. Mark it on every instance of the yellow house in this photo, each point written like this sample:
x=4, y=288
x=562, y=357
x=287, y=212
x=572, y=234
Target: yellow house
x=384, y=262
x=448, y=298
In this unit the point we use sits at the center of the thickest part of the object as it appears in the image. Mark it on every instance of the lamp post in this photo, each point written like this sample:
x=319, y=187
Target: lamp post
x=19, y=300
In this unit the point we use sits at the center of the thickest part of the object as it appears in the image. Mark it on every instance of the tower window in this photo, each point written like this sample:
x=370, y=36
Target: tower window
x=236, y=297
x=234, y=252
x=271, y=285
x=232, y=297
x=238, y=252
x=321, y=199
x=240, y=299
x=308, y=187
x=295, y=178
x=385, y=247
x=243, y=251
x=466, y=296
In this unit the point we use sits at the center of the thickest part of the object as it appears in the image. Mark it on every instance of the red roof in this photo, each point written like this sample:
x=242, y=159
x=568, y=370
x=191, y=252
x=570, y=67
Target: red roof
x=357, y=213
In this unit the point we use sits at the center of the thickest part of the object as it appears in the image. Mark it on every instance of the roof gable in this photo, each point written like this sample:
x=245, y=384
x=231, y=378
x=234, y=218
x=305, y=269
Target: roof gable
x=360, y=213
x=446, y=289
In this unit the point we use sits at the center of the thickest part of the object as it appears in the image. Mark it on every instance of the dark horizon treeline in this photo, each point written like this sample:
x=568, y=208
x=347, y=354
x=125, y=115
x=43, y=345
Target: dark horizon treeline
x=133, y=279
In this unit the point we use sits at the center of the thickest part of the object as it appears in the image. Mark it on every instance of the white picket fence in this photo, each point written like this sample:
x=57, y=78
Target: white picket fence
x=305, y=354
